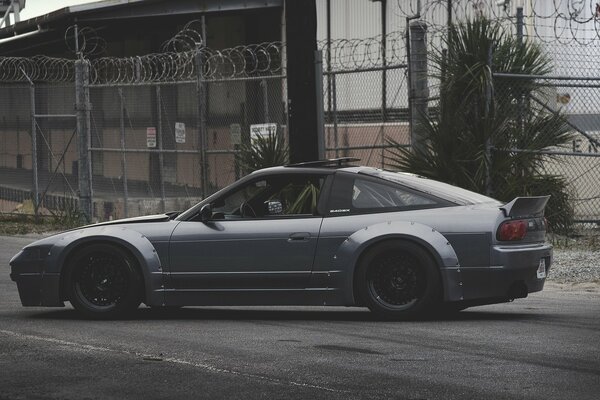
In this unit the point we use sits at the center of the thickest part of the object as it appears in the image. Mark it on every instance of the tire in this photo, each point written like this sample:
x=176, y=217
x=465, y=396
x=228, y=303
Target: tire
x=103, y=282
x=398, y=280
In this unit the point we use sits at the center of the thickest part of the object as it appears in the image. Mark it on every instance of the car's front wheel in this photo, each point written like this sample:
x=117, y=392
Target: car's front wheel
x=102, y=282
x=398, y=280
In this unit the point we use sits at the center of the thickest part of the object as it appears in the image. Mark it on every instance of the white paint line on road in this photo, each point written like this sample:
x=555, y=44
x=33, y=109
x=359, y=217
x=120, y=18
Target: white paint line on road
x=87, y=347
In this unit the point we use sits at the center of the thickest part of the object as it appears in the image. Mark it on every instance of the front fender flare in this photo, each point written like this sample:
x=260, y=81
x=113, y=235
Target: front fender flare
x=348, y=254
x=136, y=243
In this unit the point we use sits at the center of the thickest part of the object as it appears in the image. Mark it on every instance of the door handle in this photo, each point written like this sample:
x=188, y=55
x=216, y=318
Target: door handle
x=299, y=237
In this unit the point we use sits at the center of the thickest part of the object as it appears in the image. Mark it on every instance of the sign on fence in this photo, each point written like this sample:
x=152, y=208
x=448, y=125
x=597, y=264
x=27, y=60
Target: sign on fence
x=235, y=132
x=262, y=130
x=179, y=132
x=151, y=137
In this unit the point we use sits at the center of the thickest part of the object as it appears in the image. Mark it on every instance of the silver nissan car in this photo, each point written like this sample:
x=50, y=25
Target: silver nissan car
x=316, y=233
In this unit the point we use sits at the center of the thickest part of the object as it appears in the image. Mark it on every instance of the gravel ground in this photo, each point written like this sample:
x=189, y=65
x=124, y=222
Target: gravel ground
x=575, y=266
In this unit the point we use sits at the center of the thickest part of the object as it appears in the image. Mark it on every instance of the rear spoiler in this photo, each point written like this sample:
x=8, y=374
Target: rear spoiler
x=525, y=207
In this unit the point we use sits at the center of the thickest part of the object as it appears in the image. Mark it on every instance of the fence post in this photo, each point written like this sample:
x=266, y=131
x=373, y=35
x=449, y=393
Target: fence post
x=320, y=107
x=202, y=98
x=521, y=94
x=82, y=108
x=123, y=154
x=419, y=91
x=265, y=93
x=34, y=166
x=161, y=156
x=336, y=144
x=488, y=111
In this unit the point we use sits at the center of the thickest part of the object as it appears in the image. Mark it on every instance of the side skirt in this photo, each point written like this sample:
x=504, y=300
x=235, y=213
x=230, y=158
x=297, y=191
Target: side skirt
x=249, y=297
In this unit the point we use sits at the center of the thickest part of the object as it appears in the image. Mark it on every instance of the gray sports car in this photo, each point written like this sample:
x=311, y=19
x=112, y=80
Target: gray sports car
x=317, y=233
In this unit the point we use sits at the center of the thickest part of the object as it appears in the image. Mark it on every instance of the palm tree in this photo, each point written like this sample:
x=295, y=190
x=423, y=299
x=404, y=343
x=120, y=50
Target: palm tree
x=262, y=152
x=489, y=133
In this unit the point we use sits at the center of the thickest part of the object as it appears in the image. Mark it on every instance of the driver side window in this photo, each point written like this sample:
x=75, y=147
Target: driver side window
x=276, y=196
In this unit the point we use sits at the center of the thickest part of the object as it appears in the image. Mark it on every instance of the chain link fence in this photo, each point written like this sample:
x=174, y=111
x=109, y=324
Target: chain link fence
x=365, y=96
x=109, y=138
x=161, y=131
x=566, y=100
x=556, y=134
x=361, y=118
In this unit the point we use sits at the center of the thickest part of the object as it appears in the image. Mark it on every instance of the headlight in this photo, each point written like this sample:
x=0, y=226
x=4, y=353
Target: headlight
x=35, y=253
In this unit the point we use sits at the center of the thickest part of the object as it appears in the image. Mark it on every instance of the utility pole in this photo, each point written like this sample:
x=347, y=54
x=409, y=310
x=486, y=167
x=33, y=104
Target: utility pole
x=301, y=34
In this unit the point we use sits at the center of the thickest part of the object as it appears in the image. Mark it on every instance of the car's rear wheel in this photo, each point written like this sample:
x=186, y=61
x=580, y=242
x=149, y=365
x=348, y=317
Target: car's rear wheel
x=103, y=282
x=398, y=280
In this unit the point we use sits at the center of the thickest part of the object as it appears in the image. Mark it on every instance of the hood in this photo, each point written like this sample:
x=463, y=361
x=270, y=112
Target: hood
x=135, y=220
x=154, y=227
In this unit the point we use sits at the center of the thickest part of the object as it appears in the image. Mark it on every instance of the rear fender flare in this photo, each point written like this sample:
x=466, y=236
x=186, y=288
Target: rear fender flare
x=136, y=243
x=348, y=255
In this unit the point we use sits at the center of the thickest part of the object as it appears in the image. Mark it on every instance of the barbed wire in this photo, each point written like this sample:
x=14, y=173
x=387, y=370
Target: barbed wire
x=241, y=61
x=84, y=41
x=187, y=39
x=184, y=58
x=348, y=54
x=36, y=69
x=565, y=21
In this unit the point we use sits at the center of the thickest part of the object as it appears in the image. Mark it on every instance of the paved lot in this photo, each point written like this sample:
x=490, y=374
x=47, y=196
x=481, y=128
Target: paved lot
x=543, y=347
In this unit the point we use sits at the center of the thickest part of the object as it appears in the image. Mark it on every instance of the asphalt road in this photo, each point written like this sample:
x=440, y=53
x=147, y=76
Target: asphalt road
x=543, y=347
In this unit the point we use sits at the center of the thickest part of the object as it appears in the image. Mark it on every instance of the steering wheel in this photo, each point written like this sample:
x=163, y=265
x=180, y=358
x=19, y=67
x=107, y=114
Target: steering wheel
x=246, y=210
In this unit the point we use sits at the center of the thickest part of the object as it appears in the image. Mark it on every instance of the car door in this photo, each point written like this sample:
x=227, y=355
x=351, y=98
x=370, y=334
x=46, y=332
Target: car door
x=263, y=235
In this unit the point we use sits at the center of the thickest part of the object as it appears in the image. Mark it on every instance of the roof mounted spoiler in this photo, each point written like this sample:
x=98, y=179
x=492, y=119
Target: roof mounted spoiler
x=331, y=162
x=525, y=207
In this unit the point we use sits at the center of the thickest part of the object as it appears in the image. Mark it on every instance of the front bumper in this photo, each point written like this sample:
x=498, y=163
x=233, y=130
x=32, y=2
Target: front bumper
x=36, y=287
x=512, y=272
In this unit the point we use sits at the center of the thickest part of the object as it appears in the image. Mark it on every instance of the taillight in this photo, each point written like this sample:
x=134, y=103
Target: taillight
x=512, y=230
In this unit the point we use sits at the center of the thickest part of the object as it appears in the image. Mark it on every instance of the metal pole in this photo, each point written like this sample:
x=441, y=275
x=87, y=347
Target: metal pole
x=335, y=117
x=383, y=74
x=328, y=60
x=202, y=98
x=320, y=109
x=83, y=135
x=203, y=109
x=161, y=156
x=34, y=166
x=521, y=98
x=123, y=156
x=488, y=139
x=419, y=91
x=265, y=93
x=520, y=24
x=449, y=13
x=383, y=59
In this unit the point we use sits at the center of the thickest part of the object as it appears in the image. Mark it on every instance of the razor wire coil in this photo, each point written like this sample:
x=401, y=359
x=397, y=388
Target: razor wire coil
x=563, y=21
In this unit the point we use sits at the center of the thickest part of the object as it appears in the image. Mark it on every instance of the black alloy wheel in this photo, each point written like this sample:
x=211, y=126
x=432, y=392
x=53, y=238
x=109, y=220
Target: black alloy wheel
x=103, y=282
x=398, y=280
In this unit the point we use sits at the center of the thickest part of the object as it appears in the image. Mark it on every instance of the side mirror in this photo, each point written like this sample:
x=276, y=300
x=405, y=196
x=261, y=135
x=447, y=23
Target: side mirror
x=205, y=213
x=273, y=207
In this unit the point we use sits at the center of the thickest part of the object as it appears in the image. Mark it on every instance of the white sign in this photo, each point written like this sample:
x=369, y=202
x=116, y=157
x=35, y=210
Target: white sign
x=179, y=132
x=262, y=130
x=235, y=132
x=151, y=136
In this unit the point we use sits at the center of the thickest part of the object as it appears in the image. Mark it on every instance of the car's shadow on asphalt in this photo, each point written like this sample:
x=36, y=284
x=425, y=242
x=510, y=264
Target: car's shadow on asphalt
x=283, y=314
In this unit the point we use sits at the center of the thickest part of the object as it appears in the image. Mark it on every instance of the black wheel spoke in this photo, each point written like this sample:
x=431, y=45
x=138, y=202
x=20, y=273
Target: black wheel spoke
x=102, y=279
x=396, y=281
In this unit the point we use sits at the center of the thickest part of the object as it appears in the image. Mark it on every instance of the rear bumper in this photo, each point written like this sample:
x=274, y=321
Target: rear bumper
x=512, y=273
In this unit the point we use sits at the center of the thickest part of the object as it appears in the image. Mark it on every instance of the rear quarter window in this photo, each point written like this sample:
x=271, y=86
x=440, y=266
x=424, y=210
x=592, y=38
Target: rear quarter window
x=362, y=195
x=368, y=194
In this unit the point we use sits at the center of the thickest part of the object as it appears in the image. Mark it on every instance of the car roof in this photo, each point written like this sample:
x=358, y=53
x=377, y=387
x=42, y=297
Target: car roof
x=422, y=184
x=431, y=186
